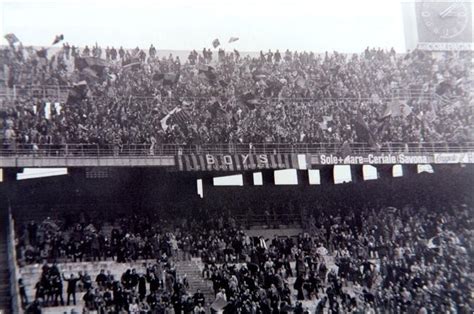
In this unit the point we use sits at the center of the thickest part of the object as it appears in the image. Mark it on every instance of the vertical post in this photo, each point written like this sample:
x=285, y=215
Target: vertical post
x=357, y=173
x=247, y=178
x=268, y=177
x=326, y=175
x=303, y=177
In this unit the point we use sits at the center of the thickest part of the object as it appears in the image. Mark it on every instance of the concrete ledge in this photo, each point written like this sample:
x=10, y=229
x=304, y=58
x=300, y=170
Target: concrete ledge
x=33, y=162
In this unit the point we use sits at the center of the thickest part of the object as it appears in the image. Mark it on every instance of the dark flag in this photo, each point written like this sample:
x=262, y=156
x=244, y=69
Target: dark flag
x=233, y=39
x=208, y=71
x=362, y=130
x=131, y=64
x=11, y=38
x=215, y=43
x=42, y=53
x=77, y=92
x=158, y=76
x=57, y=39
x=250, y=100
x=216, y=110
x=166, y=78
x=170, y=78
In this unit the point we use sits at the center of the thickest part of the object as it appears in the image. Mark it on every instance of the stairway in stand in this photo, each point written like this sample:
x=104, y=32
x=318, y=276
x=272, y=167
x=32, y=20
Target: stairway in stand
x=192, y=270
x=5, y=298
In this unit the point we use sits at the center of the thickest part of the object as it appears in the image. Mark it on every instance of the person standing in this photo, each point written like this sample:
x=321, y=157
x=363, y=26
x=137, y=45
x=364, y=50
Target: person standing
x=71, y=287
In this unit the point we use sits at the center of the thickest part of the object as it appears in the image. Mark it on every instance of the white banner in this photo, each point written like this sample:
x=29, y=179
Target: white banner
x=454, y=158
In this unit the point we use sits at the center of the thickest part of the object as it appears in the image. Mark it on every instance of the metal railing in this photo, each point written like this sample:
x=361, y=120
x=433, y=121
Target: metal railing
x=60, y=92
x=147, y=150
x=270, y=220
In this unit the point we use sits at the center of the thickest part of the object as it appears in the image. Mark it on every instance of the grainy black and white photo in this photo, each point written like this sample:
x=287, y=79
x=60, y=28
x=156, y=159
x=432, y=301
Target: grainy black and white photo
x=236, y=157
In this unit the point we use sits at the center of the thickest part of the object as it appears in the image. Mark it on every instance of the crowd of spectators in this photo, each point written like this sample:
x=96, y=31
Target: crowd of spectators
x=284, y=97
x=354, y=256
x=157, y=290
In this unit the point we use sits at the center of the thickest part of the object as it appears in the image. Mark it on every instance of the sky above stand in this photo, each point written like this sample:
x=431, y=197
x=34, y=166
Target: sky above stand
x=311, y=25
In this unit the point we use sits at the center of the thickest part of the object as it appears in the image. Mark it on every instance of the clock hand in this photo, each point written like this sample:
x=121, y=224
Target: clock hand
x=448, y=10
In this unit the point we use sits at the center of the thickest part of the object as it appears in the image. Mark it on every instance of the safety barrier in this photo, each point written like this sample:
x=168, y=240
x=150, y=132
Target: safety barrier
x=151, y=150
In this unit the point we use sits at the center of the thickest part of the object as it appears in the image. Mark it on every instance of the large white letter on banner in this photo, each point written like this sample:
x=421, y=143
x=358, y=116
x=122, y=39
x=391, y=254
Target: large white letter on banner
x=210, y=160
x=263, y=159
x=227, y=159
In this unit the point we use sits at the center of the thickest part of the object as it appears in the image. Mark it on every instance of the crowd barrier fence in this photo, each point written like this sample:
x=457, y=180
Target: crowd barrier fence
x=151, y=150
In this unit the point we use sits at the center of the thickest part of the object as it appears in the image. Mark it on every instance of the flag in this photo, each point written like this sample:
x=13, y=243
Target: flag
x=327, y=118
x=394, y=108
x=233, y=39
x=131, y=64
x=57, y=39
x=215, y=109
x=164, y=121
x=250, y=100
x=215, y=43
x=89, y=73
x=11, y=38
x=77, y=92
x=208, y=71
x=405, y=110
x=362, y=130
x=47, y=111
x=176, y=116
x=301, y=82
x=346, y=149
x=170, y=78
x=387, y=111
x=42, y=53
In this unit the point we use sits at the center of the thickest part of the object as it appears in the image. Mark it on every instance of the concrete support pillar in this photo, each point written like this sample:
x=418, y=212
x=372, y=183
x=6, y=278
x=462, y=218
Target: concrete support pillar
x=247, y=178
x=357, y=173
x=303, y=177
x=409, y=170
x=384, y=171
x=326, y=175
x=268, y=177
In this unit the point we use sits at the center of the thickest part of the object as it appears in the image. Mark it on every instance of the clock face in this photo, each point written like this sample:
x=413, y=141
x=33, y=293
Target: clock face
x=445, y=19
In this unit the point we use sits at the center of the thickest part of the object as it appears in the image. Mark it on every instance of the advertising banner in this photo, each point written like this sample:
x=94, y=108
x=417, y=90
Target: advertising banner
x=238, y=162
x=371, y=159
x=454, y=158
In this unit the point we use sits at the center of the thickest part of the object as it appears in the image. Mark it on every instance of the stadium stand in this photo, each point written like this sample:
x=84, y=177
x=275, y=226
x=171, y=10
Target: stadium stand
x=139, y=241
x=376, y=97
x=382, y=245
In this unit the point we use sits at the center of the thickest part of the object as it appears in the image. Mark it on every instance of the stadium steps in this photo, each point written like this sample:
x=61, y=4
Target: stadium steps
x=193, y=273
x=32, y=273
x=5, y=297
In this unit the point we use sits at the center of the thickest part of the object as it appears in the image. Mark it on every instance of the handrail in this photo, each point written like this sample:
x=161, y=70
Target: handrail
x=155, y=150
x=56, y=90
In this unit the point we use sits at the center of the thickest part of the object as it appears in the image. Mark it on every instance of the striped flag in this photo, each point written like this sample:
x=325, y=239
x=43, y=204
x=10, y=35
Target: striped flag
x=177, y=116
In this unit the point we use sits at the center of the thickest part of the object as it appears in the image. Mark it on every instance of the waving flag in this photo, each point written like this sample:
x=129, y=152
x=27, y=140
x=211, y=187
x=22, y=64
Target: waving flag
x=57, y=39
x=215, y=43
x=364, y=134
x=11, y=38
x=42, y=53
x=208, y=71
x=233, y=39
x=176, y=116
